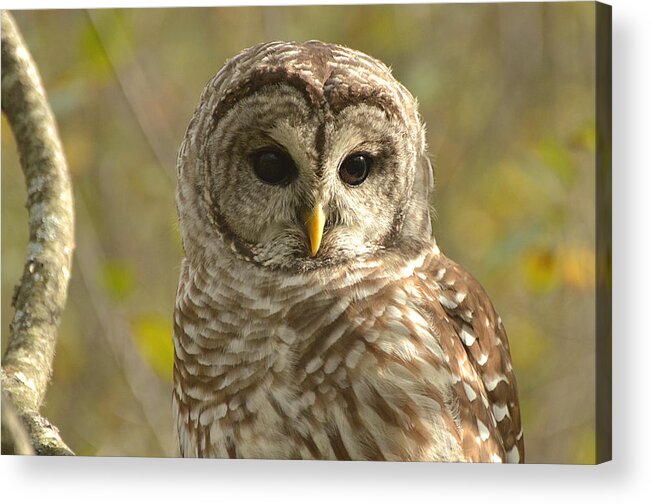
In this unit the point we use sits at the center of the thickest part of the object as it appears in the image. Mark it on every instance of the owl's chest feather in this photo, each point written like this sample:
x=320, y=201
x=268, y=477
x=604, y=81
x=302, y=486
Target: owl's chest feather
x=310, y=372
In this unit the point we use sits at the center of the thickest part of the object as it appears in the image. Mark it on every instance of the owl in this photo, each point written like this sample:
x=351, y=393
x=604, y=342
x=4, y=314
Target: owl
x=316, y=317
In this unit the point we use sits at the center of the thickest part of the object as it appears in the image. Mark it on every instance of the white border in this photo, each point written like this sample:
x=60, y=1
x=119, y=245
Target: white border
x=626, y=479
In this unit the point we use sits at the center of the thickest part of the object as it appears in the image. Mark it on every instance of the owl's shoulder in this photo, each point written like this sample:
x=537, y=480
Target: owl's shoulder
x=474, y=341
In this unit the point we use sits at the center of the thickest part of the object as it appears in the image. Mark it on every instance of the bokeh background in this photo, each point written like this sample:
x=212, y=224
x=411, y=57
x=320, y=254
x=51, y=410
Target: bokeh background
x=508, y=93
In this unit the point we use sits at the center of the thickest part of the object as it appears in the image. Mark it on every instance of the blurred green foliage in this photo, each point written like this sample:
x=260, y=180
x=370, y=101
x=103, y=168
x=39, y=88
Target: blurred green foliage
x=508, y=93
x=117, y=279
x=152, y=335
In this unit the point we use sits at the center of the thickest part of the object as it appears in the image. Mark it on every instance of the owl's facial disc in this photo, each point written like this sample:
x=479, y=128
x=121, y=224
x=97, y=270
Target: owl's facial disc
x=299, y=186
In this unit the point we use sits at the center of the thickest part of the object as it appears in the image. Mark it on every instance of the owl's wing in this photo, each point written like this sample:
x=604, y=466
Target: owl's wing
x=474, y=340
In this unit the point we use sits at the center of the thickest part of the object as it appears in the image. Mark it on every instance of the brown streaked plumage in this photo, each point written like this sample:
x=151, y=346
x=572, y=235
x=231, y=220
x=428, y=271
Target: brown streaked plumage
x=316, y=317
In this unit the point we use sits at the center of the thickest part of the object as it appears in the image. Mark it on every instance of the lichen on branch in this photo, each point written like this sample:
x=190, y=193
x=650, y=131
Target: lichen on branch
x=40, y=297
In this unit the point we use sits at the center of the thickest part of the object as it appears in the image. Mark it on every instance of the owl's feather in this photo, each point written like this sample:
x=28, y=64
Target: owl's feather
x=405, y=362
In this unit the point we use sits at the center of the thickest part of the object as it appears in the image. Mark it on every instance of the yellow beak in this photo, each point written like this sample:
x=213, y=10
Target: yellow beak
x=315, y=222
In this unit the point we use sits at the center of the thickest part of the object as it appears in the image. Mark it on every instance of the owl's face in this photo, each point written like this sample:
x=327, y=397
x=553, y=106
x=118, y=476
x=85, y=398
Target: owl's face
x=309, y=155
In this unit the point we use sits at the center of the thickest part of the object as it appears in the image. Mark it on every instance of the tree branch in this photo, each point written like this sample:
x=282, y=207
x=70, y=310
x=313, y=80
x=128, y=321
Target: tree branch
x=40, y=297
x=15, y=440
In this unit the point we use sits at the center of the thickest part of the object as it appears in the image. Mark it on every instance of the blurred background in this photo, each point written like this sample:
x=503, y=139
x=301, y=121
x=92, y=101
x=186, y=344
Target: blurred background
x=508, y=93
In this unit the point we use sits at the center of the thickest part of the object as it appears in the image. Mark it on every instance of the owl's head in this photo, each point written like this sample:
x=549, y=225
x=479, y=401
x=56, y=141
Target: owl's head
x=302, y=156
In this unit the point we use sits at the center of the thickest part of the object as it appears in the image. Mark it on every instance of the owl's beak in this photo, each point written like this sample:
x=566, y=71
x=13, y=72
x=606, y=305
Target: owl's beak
x=315, y=222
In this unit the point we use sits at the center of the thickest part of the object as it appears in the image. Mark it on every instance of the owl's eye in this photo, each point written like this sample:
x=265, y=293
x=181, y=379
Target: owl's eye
x=273, y=166
x=355, y=168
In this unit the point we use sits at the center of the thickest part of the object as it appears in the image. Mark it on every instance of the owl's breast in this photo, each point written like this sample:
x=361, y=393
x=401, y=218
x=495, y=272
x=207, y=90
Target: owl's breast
x=354, y=372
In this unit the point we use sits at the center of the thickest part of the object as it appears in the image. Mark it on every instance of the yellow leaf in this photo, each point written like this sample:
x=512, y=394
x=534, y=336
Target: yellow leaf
x=152, y=335
x=578, y=266
x=540, y=270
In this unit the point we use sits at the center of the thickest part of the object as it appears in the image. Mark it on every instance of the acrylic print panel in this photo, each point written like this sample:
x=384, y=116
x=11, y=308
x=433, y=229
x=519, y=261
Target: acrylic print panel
x=315, y=316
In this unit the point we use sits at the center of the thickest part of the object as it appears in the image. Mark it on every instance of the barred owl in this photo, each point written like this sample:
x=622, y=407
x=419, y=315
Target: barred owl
x=316, y=317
